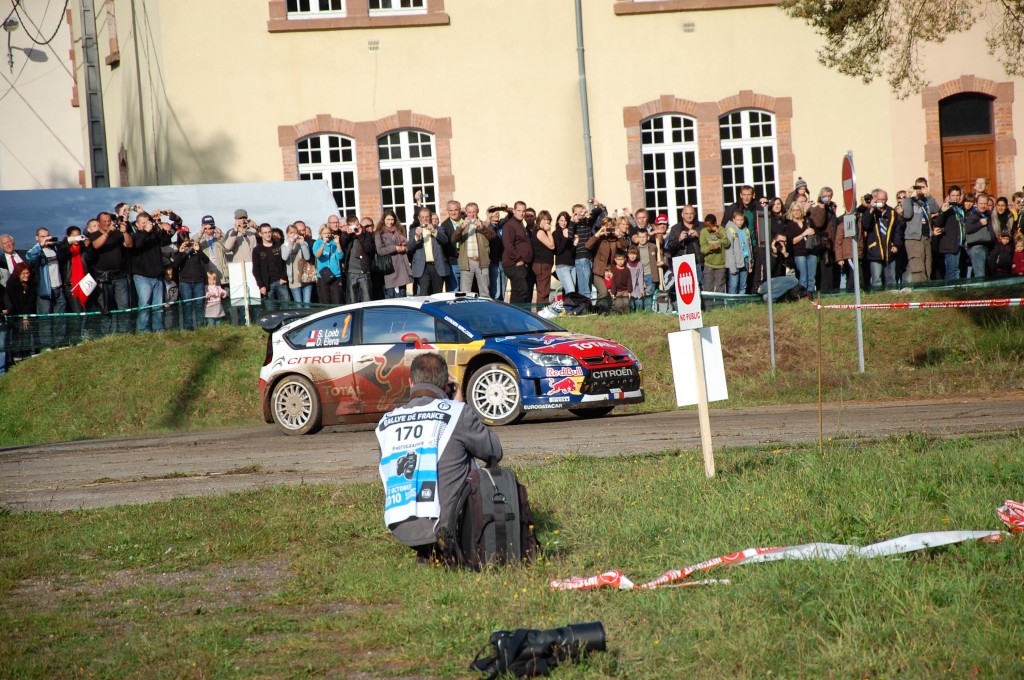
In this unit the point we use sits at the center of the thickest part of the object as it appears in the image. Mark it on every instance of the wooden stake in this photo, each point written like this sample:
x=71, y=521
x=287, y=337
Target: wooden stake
x=821, y=441
x=703, y=416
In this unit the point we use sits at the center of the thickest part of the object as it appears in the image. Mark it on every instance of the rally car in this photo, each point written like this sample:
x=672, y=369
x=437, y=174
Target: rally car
x=351, y=363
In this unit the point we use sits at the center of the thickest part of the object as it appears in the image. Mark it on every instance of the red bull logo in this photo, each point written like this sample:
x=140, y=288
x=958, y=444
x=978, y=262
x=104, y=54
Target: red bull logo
x=567, y=385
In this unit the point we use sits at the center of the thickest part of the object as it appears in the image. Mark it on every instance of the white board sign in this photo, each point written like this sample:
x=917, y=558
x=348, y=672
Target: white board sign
x=684, y=372
x=241, y=276
x=850, y=225
x=687, y=292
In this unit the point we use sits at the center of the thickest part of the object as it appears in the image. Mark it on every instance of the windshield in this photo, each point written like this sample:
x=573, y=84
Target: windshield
x=488, y=318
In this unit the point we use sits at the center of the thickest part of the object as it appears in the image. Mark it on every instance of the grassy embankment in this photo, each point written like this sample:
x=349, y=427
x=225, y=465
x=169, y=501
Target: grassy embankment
x=304, y=580
x=178, y=381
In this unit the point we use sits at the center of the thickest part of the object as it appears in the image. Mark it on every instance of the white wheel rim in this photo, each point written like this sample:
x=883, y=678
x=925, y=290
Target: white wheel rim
x=495, y=394
x=293, y=405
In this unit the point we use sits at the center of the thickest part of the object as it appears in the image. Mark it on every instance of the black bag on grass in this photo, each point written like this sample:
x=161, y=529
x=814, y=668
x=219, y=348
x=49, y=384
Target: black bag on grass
x=575, y=304
x=495, y=525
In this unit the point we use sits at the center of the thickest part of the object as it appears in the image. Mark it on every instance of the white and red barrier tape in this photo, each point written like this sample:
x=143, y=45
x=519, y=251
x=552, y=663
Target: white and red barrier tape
x=1010, y=513
x=952, y=304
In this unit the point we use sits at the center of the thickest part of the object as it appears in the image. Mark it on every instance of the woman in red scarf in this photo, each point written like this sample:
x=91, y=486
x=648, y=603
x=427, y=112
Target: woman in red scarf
x=74, y=270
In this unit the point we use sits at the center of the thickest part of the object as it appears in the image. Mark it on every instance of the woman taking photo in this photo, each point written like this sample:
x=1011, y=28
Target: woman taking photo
x=327, y=253
x=565, y=253
x=390, y=240
x=798, y=228
x=296, y=255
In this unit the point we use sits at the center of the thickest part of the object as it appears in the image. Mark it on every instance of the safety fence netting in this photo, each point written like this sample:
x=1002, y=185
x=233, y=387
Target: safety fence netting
x=35, y=332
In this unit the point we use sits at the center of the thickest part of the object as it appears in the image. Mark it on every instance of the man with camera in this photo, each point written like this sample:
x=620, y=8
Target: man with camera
x=582, y=225
x=684, y=239
x=919, y=209
x=426, y=449
x=9, y=258
x=429, y=262
x=242, y=238
x=358, y=245
x=453, y=281
x=107, y=248
x=46, y=258
x=473, y=239
x=883, y=238
x=148, y=269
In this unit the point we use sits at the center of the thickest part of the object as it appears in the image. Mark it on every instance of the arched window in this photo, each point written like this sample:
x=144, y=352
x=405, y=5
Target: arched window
x=407, y=164
x=749, y=153
x=668, y=146
x=331, y=157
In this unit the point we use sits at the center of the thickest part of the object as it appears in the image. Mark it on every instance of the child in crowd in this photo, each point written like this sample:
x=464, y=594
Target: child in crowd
x=621, y=285
x=170, y=297
x=214, y=299
x=738, y=259
x=1000, y=258
x=1018, y=256
x=638, y=289
x=713, y=245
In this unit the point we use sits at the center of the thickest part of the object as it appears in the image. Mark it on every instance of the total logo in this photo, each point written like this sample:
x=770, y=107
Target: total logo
x=686, y=283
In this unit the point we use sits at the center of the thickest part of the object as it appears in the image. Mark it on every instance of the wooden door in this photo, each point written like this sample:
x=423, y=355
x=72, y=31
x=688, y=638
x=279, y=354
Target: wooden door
x=964, y=159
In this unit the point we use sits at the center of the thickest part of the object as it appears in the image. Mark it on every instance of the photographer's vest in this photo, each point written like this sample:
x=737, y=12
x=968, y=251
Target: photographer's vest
x=411, y=441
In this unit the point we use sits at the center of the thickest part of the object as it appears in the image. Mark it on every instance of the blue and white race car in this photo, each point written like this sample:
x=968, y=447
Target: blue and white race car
x=351, y=363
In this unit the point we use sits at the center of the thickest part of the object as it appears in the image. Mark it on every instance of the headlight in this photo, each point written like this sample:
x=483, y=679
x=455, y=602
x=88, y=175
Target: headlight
x=549, y=359
x=636, y=361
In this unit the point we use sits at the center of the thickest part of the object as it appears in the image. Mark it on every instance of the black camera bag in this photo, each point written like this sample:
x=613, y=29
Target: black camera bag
x=494, y=524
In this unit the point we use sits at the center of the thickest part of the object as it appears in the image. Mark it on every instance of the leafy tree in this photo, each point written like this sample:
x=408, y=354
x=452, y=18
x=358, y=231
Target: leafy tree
x=872, y=38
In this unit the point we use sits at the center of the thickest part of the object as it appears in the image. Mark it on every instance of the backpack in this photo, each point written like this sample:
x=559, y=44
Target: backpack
x=576, y=304
x=494, y=525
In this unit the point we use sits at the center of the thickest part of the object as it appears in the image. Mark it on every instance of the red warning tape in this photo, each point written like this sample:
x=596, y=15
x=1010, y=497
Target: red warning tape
x=952, y=304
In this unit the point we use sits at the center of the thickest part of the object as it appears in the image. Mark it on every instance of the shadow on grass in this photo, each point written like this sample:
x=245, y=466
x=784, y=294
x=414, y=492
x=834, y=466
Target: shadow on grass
x=191, y=387
x=544, y=527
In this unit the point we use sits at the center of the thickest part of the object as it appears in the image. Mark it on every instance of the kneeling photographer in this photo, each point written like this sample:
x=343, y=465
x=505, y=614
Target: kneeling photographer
x=426, y=452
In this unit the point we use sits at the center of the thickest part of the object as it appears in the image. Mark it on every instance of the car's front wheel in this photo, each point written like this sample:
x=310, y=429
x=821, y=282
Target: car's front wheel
x=495, y=395
x=295, y=405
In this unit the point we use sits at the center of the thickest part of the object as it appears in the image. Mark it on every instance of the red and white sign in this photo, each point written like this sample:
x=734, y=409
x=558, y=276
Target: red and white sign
x=849, y=183
x=687, y=292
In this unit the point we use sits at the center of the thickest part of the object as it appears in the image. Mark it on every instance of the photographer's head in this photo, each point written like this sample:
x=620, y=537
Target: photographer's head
x=429, y=368
x=43, y=237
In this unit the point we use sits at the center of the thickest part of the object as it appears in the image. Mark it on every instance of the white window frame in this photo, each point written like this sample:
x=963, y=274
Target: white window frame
x=397, y=11
x=753, y=140
x=407, y=165
x=314, y=11
x=669, y=145
x=327, y=168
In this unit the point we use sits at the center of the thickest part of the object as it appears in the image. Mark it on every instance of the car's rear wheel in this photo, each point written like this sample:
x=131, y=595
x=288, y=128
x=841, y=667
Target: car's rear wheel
x=295, y=405
x=591, y=412
x=495, y=395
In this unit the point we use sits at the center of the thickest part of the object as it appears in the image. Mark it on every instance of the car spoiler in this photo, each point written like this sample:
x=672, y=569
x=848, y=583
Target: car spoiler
x=271, y=321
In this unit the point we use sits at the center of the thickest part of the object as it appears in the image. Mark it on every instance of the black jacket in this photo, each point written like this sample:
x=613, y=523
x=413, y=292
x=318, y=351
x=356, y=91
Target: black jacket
x=147, y=258
x=368, y=245
x=679, y=243
x=268, y=265
x=190, y=265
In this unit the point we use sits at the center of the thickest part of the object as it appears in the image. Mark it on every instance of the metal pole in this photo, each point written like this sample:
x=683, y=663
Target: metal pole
x=856, y=300
x=94, y=99
x=583, y=99
x=766, y=234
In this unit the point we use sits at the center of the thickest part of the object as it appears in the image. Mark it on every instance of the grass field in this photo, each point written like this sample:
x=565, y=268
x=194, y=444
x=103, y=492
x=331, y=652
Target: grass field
x=305, y=581
x=141, y=384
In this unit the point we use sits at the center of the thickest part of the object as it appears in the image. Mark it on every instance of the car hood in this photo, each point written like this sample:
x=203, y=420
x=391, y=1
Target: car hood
x=577, y=345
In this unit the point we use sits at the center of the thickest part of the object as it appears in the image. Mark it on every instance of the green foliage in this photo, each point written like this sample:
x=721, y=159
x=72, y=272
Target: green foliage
x=871, y=38
x=304, y=579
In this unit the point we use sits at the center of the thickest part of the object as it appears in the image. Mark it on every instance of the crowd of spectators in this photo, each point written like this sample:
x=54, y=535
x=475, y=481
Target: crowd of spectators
x=148, y=259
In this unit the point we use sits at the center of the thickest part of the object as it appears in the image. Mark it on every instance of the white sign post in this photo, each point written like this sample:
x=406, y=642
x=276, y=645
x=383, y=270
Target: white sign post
x=684, y=267
x=243, y=288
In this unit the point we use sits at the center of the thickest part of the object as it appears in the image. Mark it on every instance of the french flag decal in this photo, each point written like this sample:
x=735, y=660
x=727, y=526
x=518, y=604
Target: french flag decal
x=311, y=340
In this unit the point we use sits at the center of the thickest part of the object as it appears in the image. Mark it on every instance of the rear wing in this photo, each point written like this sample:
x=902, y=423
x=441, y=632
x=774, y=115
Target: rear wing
x=271, y=321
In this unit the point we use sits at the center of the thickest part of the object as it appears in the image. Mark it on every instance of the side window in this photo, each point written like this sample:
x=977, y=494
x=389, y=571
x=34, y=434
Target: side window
x=445, y=333
x=388, y=325
x=331, y=331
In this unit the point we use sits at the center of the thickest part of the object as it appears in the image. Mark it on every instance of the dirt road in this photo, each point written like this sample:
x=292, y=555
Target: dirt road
x=140, y=470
